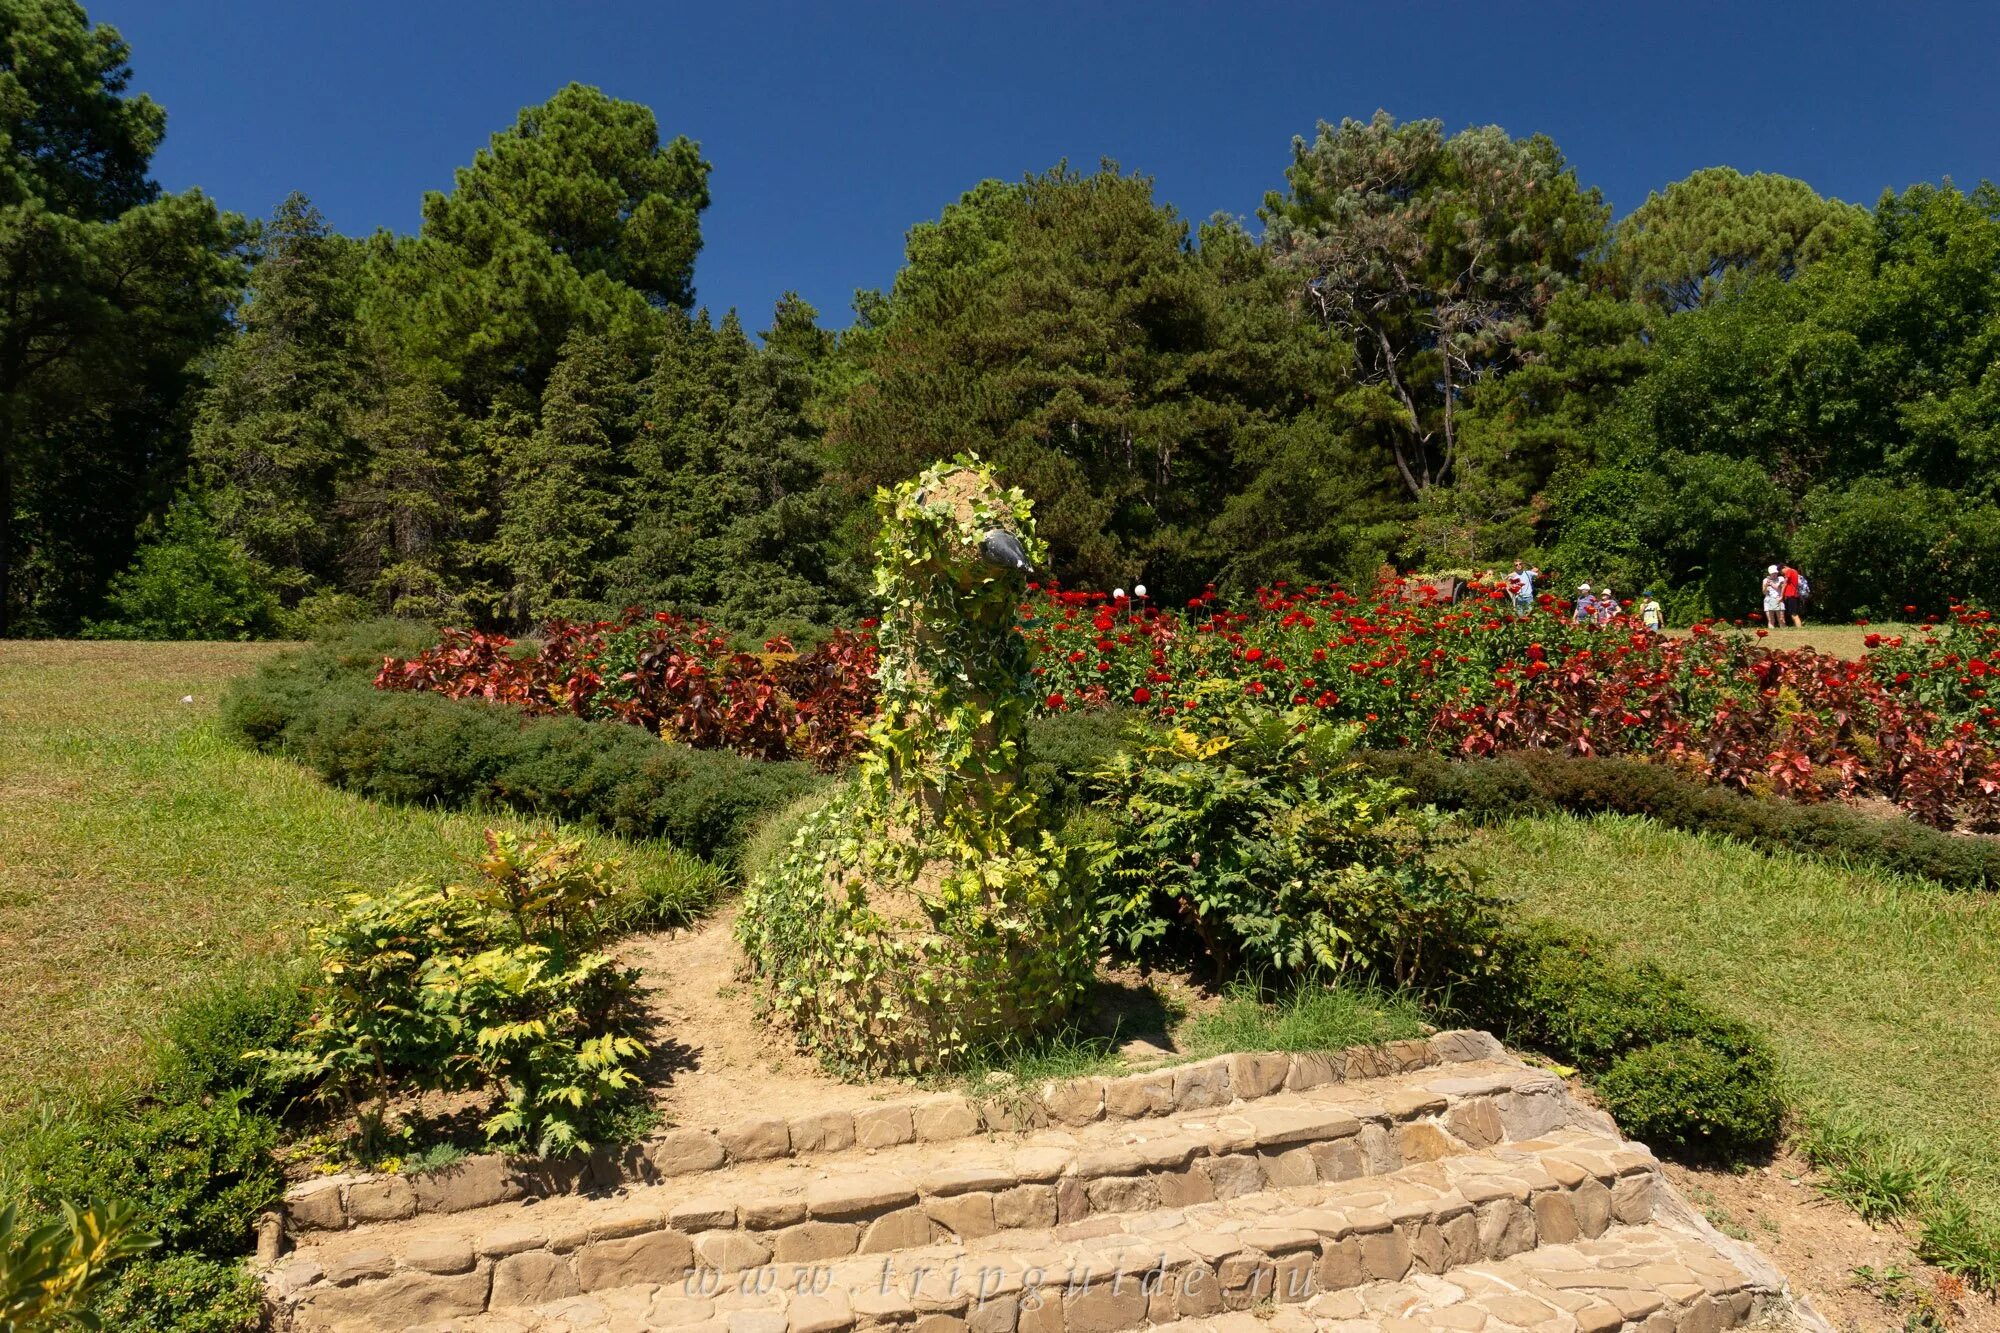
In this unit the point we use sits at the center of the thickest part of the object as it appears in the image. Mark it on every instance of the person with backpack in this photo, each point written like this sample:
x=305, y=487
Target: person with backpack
x=1795, y=596
x=1650, y=614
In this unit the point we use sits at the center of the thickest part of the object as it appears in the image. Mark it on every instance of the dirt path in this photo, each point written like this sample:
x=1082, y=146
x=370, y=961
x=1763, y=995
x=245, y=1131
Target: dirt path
x=716, y=1059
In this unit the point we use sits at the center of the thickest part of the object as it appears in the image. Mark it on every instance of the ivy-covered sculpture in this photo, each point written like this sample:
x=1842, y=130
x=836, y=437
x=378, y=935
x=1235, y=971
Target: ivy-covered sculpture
x=922, y=912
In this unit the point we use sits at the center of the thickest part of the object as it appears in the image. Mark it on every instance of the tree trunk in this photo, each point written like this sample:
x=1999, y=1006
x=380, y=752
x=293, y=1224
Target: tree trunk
x=6, y=541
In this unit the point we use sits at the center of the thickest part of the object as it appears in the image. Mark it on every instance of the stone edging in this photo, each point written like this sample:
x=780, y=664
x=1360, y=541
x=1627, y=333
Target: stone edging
x=334, y=1203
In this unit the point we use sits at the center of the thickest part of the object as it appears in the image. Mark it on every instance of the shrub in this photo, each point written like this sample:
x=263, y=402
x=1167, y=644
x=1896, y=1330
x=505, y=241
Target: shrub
x=1260, y=844
x=207, y=1035
x=183, y=1293
x=1694, y=1099
x=1502, y=787
x=1064, y=749
x=1690, y=1081
x=49, y=1273
x=188, y=581
x=492, y=985
x=316, y=706
x=195, y=1175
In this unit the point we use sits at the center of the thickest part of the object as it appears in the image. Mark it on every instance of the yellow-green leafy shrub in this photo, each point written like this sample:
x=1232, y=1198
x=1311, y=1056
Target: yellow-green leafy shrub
x=493, y=985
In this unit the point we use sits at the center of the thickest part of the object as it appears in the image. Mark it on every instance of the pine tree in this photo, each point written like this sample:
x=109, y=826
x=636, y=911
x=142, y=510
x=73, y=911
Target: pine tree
x=418, y=512
x=566, y=497
x=273, y=439
x=731, y=515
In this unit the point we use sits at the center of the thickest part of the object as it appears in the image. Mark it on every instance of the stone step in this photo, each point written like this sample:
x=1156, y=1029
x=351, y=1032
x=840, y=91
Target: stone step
x=873, y=1201
x=1647, y=1279
x=1111, y=1269
x=335, y=1203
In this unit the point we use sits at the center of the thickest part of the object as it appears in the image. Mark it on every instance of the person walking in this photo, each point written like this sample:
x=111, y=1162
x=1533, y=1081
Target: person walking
x=1794, y=592
x=1650, y=614
x=1774, y=598
x=1607, y=606
x=1586, y=606
x=1521, y=587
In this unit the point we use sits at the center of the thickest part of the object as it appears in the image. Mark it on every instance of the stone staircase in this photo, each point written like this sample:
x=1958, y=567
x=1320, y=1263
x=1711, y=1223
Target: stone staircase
x=1425, y=1185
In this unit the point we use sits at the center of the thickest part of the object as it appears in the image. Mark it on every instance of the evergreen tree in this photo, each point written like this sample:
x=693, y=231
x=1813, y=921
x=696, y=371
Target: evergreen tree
x=576, y=219
x=113, y=291
x=731, y=514
x=273, y=435
x=565, y=495
x=1676, y=250
x=1066, y=329
x=418, y=512
x=1432, y=258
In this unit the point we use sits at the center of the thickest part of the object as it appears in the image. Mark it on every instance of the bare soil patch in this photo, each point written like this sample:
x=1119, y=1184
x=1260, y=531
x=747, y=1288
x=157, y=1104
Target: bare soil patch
x=1862, y=1278
x=716, y=1059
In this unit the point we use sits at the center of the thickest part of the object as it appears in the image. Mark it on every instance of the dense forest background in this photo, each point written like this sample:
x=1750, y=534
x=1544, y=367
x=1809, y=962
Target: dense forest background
x=1438, y=351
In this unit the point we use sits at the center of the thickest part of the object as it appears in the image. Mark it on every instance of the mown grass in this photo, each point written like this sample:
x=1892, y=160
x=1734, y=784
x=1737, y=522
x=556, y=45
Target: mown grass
x=1840, y=640
x=1880, y=993
x=142, y=854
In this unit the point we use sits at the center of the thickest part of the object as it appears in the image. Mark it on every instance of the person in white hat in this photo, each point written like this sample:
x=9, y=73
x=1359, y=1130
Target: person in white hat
x=1774, y=597
x=1586, y=606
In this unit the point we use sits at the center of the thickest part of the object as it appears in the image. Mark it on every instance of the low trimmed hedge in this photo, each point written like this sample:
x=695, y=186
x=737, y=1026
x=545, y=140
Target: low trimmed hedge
x=319, y=707
x=1674, y=1073
x=1536, y=782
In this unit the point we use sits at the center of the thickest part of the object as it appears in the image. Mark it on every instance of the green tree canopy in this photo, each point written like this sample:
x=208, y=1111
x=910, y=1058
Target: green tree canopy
x=1431, y=257
x=1675, y=250
x=1066, y=328
x=577, y=219
x=112, y=290
x=274, y=433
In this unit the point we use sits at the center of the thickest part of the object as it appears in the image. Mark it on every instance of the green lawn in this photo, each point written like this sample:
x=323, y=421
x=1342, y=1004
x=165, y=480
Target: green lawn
x=1840, y=640
x=142, y=853
x=1882, y=994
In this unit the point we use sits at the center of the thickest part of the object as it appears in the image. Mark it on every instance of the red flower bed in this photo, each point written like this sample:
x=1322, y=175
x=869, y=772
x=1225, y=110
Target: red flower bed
x=1909, y=721
x=674, y=676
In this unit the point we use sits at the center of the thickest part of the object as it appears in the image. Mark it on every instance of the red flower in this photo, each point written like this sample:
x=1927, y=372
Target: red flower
x=1254, y=655
x=1054, y=700
x=1142, y=695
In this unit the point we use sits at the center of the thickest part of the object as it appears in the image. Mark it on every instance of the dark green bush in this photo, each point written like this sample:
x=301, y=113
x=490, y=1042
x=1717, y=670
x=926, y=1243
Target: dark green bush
x=197, y=1174
x=1254, y=842
x=1694, y=1099
x=205, y=1037
x=1675, y=1073
x=1568, y=994
x=1064, y=749
x=1535, y=782
x=320, y=707
x=182, y=1293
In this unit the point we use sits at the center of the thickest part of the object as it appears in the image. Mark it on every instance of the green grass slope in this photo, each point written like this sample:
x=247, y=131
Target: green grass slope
x=142, y=854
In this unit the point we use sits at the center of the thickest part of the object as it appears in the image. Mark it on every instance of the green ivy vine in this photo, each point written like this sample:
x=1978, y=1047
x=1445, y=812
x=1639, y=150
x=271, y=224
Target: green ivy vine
x=922, y=912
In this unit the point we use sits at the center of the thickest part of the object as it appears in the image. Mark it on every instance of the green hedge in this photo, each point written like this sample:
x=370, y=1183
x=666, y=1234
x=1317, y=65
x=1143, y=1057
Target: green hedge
x=1535, y=782
x=319, y=707
x=1674, y=1073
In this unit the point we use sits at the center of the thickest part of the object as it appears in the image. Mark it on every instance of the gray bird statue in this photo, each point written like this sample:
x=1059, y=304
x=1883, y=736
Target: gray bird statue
x=1001, y=547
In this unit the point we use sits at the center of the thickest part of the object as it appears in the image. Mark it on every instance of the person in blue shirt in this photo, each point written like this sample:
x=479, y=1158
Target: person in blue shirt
x=1521, y=587
x=1586, y=606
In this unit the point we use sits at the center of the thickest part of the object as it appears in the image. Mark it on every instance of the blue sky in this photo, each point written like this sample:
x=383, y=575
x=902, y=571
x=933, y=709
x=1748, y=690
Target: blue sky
x=833, y=127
